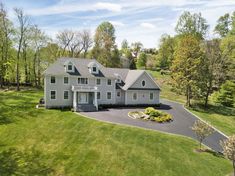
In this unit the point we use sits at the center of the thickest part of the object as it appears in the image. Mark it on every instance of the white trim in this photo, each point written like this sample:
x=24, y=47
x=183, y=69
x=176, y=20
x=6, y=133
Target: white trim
x=80, y=80
x=55, y=80
x=68, y=95
x=136, y=96
x=107, y=82
x=96, y=81
x=107, y=95
x=68, y=80
x=55, y=95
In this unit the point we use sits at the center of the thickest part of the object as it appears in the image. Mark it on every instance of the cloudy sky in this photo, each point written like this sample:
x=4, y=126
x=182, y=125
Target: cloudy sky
x=134, y=20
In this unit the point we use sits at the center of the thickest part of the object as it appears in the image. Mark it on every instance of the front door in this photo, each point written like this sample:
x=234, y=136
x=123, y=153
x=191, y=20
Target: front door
x=82, y=98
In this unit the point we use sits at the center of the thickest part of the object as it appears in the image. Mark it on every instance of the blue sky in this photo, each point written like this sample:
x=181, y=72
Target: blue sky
x=134, y=20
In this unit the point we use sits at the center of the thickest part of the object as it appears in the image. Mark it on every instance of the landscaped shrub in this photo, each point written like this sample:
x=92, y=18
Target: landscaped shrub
x=155, y=113
x=148, y=110
x=158, y=116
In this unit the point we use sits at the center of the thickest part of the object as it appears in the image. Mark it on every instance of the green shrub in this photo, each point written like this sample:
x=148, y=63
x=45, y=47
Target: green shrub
x=155, y=113
x=148, y=110
x=163, y=118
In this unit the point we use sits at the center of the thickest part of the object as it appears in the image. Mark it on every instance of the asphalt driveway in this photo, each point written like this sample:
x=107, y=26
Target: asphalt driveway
x=182, y=123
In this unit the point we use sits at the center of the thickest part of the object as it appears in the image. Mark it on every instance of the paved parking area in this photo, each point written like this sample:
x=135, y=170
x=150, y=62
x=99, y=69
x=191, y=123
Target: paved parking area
x=182, y=123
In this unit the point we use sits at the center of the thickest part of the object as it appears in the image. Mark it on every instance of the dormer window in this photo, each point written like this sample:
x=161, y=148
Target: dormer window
x=93, y=68
x=69, y=67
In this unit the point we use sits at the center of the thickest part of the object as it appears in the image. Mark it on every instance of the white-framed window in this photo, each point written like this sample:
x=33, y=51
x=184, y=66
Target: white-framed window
x=98, y=95
x=82, y=81
x=118, y=94
x=109, y=82
x=66, y=95
x=151, y=95
x=94, y=69
x=98, y=81
x=70, y=67
x=53, y=79
x=134, y=96
x=143, y=83
x=66, y=80
x=109, y=95
x=53, y=95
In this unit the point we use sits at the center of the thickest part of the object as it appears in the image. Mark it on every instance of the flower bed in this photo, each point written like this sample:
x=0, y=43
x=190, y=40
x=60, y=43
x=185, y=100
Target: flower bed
x=151, y=114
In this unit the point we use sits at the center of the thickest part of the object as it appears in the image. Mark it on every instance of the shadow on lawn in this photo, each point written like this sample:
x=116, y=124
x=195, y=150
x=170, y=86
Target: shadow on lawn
x=30, y=162
x=214, y=109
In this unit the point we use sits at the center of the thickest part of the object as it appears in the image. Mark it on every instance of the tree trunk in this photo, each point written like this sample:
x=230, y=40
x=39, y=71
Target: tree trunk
x=188, y=96
x=17, y=64
x=234, y=167
x=25, y=66
x=34, y=68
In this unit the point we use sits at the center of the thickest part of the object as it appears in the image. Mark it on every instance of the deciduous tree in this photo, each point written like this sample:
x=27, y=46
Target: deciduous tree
x=202, y=130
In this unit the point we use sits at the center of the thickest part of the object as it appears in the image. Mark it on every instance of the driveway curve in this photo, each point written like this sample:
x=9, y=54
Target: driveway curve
x=182, y=123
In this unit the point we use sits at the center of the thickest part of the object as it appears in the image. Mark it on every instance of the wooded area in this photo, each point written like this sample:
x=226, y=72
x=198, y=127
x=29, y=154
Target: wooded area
x=199, y=66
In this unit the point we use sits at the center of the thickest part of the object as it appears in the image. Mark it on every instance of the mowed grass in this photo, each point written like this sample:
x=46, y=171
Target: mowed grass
x=220, y=117
x=54, y=142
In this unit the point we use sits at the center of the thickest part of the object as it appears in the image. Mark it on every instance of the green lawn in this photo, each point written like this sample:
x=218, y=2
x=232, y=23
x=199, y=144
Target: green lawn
x=53, y=142
x=221, y=117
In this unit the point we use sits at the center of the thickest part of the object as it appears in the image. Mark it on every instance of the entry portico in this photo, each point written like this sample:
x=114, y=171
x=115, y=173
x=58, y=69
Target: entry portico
x=84, y=95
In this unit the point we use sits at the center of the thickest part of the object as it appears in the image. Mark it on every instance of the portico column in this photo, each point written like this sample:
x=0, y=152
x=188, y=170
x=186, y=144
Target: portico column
x=75, y=100
x=96, y=104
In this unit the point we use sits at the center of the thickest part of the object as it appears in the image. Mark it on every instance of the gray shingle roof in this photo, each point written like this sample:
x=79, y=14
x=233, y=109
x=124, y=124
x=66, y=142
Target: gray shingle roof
x=81, y=69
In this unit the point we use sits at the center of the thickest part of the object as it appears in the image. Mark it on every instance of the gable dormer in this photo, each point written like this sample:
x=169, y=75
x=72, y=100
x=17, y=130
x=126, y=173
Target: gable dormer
x=69, y=67
x=93, y=68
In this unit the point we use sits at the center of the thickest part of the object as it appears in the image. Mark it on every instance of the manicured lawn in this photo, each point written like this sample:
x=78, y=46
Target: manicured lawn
x=220, y=117
x=53, y=142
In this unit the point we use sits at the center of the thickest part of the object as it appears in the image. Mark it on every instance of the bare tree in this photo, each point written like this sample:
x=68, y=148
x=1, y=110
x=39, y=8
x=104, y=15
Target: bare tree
x=23, y=21
x=228, y=146
x=39, y=40
x=64, y=39
x=87, y=41
x=202, y=130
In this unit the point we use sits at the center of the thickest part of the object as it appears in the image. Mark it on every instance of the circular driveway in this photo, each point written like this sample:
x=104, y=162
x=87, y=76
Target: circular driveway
x=182, y=123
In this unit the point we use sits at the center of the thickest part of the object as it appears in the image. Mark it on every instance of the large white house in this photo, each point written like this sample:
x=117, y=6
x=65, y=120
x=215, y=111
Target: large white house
x=84, y=84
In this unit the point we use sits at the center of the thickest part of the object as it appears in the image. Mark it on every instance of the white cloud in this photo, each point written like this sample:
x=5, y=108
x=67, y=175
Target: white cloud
x=117, y=23
x=108, y=6
x=147, y=25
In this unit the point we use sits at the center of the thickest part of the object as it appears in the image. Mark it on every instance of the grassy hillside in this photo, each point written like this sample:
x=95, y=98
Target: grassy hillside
x=53, y=142
x=222, y=118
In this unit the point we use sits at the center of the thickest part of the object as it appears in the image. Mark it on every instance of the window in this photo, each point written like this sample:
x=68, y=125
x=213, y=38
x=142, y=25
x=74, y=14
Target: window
x=143, y=83
x=109, y=95
x=52, y=80
x=119, y=80
x=98, y=95
x=98, y=81
x=109, y=82
x=66, y=95
x=53, y=95
x=151, y=96
x=82, y=81
x=70, y=67
x=94, y=69
x=135, y=96
x=66, y=80
x=118, y=94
